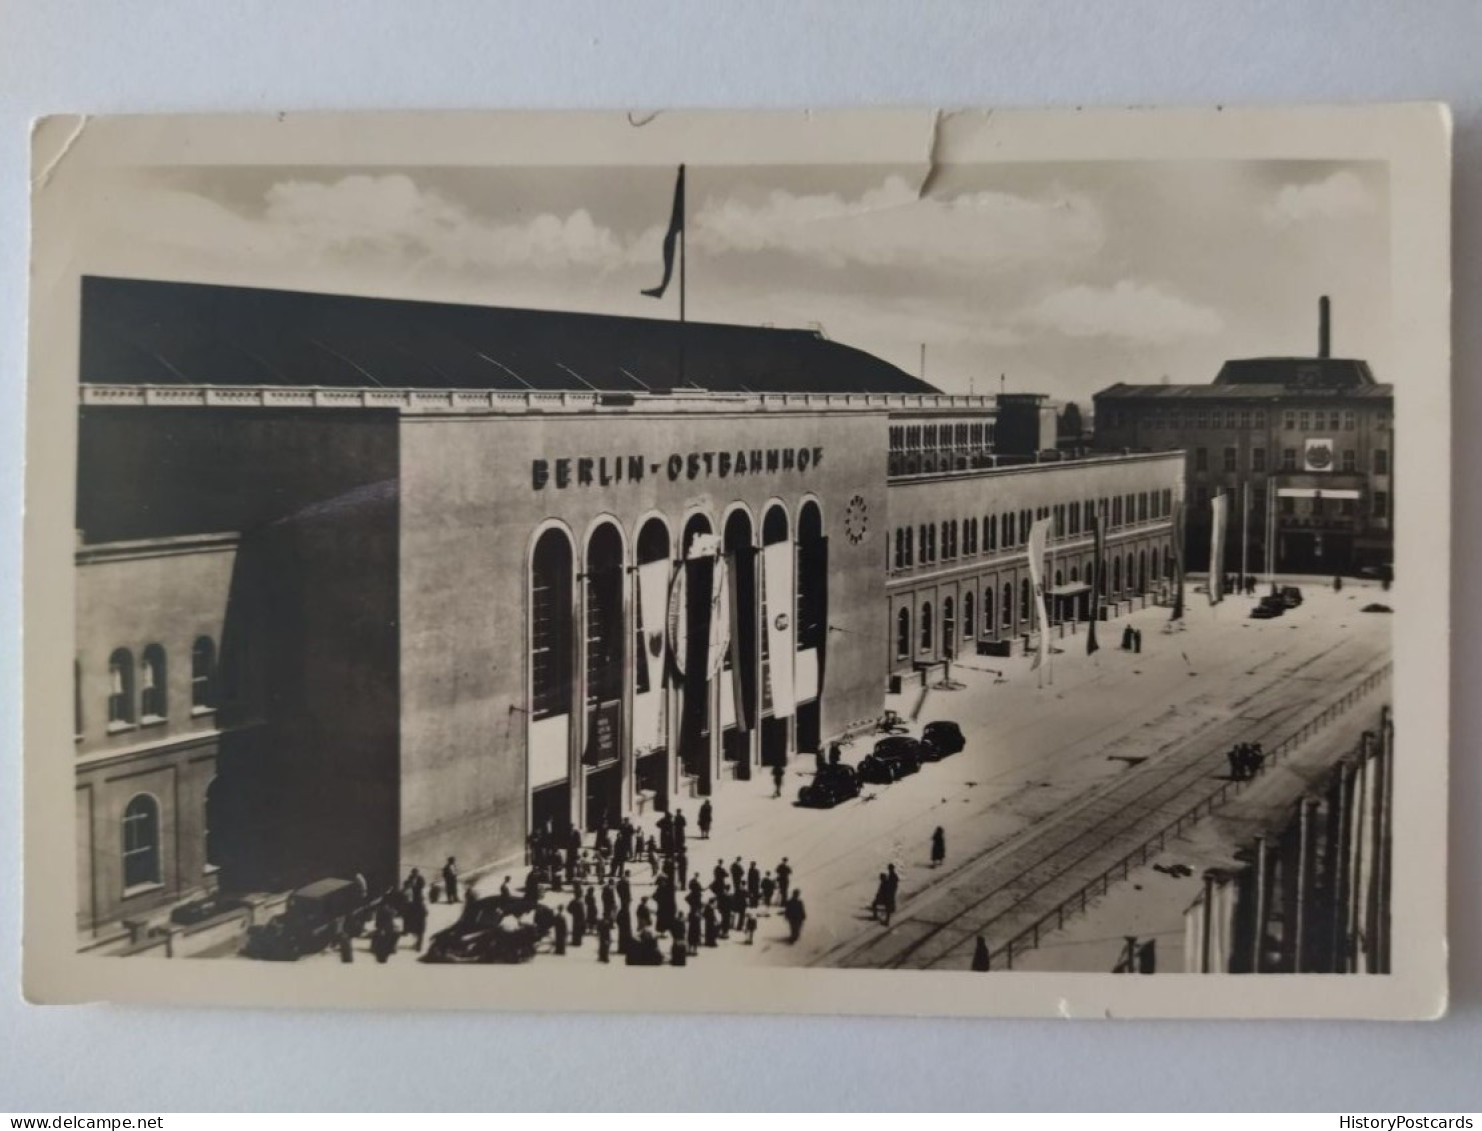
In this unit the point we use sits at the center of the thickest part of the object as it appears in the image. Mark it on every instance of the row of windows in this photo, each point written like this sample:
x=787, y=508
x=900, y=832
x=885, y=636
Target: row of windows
x=1317, y=508
x=142, y=690
x=953, y=538
x=929, y=437
x=1347, y=460
x=1114, y=582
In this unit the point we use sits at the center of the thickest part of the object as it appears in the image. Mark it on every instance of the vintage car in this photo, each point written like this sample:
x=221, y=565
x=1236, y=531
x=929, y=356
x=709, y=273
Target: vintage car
x=892, y=759
x=314, y=917
x=1290, y=596
x=1266, y=612
x=941, y=738
x=498, y=929
x=831, y=785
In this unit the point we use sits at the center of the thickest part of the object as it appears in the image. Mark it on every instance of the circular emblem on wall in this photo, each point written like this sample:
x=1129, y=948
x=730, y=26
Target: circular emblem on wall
x=1319, y=456
x=856, y=519
x=780, y=623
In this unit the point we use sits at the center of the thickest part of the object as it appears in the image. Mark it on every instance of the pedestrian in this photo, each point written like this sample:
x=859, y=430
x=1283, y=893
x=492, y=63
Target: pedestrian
x=644, y=917
x=834, y=754
x=707, y=814
x=796, y=914
x=1337, y=583
x=980, y=955
x=415, y=885
x=693, y=923
x=666, y=834
x=820, y=762
x=504, y=892
x=578, y=911
x=414, y=922
x=680, y=824
x=625, y=930
x=738, y=875
x=532, y=885
x=624, y=892
x=682, y=866
x=1257, y=758
x=777, y=773
x=892, y=883
x=450, y=879
x=723, y=912
x=590, y=906
x=750, y=929
x=347, y=950
x=712, y=922
x=718, y=876
x=784, y=879
x=604, y=939
x=769, y=888
x=558, y=932
x=653, y=857
x=1137, y=641
x=938, y=847
x=882, y=889
x=678, y=954
x=677, y=926
x=753, y=885
x=1127, y=638
x=609, y=900
x=1233, y=754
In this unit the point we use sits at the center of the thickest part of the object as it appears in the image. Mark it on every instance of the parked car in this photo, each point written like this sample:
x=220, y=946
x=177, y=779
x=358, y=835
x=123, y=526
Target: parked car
x=1267, y=612
x=893, y=759
x=1291, y=596
x=941, y=738
x=497, y=929
x=831, y=785
x=314, y=916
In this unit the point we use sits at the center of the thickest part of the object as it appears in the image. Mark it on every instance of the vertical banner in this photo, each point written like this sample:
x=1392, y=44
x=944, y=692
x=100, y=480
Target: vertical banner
x=1217, y=508
x=1178, y=561
x=1038, y=534
x=777, y=579
x=1098, y=549
x=653, y=579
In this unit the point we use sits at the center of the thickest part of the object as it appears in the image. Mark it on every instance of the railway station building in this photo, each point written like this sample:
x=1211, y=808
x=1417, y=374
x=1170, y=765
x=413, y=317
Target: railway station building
x=363, y=583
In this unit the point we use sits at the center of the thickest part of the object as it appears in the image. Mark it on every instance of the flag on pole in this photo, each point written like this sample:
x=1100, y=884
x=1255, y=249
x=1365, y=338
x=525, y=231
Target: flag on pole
x=675, y=233
x=1038, y=535
x=1097, y=551
x=1217, y=508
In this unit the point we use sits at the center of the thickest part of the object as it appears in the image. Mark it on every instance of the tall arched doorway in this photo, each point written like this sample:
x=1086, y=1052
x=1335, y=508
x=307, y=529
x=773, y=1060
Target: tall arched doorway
x=812, y=636
x=949, y=628
x=692, y=655
x=605, y=636
x=552, y=671
x=738, y=701
x=650, y=670
x=778, y=647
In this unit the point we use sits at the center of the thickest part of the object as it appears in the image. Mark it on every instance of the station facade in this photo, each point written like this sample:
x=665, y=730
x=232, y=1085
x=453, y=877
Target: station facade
x=342, y=626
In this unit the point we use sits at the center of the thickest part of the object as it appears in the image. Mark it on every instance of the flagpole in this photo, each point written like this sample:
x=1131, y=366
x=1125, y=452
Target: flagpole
x=1244, y=532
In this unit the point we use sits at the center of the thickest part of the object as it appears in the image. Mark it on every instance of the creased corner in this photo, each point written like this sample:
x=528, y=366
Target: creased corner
x=933, y=156
x=638, y=121
x=39, y=180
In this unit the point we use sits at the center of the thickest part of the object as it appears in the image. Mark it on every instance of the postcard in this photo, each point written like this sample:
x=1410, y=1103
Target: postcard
x=947, y=563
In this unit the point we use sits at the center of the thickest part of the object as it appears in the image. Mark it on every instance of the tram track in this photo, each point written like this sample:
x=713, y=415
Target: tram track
x=1029, y=875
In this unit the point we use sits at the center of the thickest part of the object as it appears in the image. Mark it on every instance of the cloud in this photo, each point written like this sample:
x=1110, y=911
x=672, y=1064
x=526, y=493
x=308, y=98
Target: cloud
x=890, y=225
x=1128, y=311
x=1340, y=196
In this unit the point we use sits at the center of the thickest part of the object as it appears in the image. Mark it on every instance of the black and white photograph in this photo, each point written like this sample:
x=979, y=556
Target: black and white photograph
x=864, y=562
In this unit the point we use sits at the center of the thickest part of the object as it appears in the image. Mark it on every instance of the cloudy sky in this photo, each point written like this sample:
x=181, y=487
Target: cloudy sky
x=1058, y=278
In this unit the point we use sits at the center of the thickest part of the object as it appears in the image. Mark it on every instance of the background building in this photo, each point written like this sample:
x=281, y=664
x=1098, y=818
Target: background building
x=1311, y=438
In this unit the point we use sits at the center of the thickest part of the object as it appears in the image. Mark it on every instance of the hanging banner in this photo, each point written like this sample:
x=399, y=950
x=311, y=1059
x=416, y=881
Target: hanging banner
x=1098, y=579
x=1038, y=536
x=735, y=687
x=1217, y=508
x=653, y=579
x=1178, y=561
x=777, y=578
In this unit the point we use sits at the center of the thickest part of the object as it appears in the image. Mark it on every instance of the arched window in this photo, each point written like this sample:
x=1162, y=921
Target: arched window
x=1006, y=610
x=1116, y=580
x=550, y=626
x=1024, y=599
x=1059, y=578
x=210, y=827
x=990, y=611
x=120, y=688
x=202, y=674
x=1131, y=571
x=141, y=842
x=1142, y=571
x=653, y=546
x=903, y=634
x=926, y=626
x=969, y=622
x=949, y=627
x=1075, y=574
x=812, y=578
x=604, y=620
x=152, y=687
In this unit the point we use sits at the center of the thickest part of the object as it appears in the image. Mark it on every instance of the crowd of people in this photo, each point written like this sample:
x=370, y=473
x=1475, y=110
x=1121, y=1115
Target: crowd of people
x=1246, y=760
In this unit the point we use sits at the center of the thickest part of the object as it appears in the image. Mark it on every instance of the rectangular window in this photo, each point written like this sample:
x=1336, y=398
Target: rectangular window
x=900, y=548
x=910, y=545
x=1201, y=459
x=1258, y=459
x=1203, y=420
x=1288, y=459
x=1345, y=507
x=1333, y=422
x=1142, y=507
x=1348, y=421
x=1260, y=418
x=1289, y=420
x=1381, y=504
x=1381, y=461
x=1231, y=458
x=1288, y=505
x=1230, y=419
x=1304, y=421
x=1349, y=459
x=1245, y=418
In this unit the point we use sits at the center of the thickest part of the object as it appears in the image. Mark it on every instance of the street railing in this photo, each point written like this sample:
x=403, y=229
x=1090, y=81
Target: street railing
x=1029, y=938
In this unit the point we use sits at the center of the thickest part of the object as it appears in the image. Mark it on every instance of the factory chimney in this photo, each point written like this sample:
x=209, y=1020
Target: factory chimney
x=1324, y=328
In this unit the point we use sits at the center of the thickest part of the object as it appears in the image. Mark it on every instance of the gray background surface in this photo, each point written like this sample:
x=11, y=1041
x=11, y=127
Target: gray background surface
x=318, y=54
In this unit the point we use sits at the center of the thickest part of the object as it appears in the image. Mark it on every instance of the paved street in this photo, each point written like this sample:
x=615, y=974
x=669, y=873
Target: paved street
x=1115, y=742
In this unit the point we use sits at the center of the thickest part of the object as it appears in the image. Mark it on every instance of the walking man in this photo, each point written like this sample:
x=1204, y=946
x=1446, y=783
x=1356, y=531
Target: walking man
x=680, y=825
x=796, y=914
x=450, y=879
x=980, y=955
x=769, y=886
x=558, y=932
x=938, y=847
x=707, y=814
x=784, y=879
x=777, y=773
x=414, y=921
x=604, y=939
x=578, y=911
